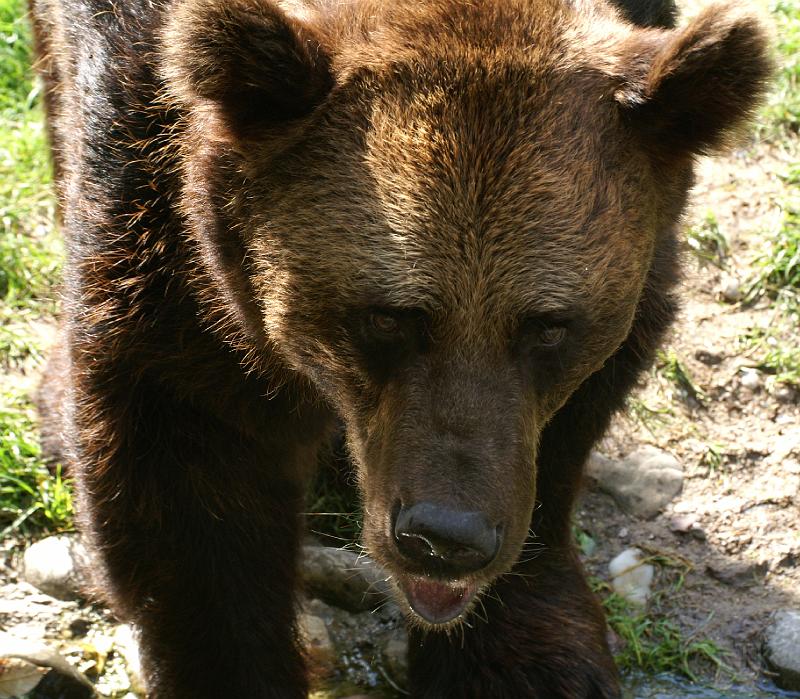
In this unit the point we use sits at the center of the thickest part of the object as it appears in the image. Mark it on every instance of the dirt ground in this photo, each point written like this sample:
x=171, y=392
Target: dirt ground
x=736, y=525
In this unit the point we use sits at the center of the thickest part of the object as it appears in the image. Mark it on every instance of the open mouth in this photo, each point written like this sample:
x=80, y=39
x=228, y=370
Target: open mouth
x=437, y=601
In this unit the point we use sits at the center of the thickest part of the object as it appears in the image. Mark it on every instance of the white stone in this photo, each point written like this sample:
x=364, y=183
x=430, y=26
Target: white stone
x=732, y=291
x=751, y=380
x=53, y=565
x=782, y=647
x=126, y=643
x=630, y=577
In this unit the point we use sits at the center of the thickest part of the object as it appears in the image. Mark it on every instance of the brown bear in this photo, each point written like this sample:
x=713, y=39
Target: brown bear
x=450, y=225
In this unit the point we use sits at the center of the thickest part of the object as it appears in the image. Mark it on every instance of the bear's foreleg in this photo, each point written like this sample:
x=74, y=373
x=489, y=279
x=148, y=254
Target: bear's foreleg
x=197, y=528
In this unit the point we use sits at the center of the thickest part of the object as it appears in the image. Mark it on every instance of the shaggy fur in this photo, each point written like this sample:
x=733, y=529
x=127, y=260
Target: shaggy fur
x=246, y=185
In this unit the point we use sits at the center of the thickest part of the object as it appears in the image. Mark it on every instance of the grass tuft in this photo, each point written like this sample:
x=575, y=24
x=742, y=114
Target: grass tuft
x=650, y=641
x=673, y=370
x=31, y=498
x=708, y=244
x=778, y=275
x=333, y=512
x=775, y=350
x=782, y=112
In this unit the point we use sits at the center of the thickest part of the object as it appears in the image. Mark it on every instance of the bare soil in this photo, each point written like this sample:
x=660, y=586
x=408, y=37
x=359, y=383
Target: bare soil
x=736, y=524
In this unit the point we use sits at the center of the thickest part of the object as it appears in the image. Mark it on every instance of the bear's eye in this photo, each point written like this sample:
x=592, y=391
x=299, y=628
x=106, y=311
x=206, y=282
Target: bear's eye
x=550, y=337
x=544, y=333
x=383, y=325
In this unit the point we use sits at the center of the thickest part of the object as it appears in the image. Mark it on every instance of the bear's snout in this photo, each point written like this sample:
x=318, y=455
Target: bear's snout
x=444, y=542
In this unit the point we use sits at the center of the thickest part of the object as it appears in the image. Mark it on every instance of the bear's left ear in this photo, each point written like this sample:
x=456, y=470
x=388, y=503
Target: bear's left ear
x=687, y=89
x=249, y=62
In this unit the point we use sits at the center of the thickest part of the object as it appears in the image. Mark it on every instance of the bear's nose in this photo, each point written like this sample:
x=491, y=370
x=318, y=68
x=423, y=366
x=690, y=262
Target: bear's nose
x=444, y=541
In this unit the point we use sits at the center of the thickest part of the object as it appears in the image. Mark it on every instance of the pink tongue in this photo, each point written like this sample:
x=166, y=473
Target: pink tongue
x=437, y=602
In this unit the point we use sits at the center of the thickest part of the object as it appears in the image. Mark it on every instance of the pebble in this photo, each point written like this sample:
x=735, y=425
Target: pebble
x=126, y=644
x=395, y=655
x=316, y=639
x=55, y=566
x=708, y=357
x=751, y=380
x=630, y=577
x=737, y=574
x=731, y=291
x=687, y=524
x=786, y=394
x=782, y=648
x=643, y=483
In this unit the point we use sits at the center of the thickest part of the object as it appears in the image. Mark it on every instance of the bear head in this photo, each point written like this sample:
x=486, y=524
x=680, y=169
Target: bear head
x=443, y=216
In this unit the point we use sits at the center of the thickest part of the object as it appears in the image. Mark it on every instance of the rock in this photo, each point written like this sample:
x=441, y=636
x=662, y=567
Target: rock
x=126, y=644
x=27, y=613
x=751, y=380
x=681, y=524
x=316, y=639
x=737, y=574
x=358, y=640
x=59, y=681
x=55, y=566
x=630, y=577
x=643, y=483
x=731, y=291
x=687, y=524
x=708, y=357
x=395, y=656
x=343, y=578
x=782, y=648
x=698, y=533
x=786, y=394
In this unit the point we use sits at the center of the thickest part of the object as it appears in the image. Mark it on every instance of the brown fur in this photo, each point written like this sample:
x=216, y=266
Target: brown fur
x=243, y=191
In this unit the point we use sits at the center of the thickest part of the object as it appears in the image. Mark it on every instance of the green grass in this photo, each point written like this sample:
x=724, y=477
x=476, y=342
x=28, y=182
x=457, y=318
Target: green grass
x=714, y=458
x=775, y=350
x=778, y=265
x=707, y=243
x=333, y=511
x=651, y=641
x=31, y=498
x=654, y=644
x=29, y=249
x=17, y=90
x=672, y=369
x=782, y=112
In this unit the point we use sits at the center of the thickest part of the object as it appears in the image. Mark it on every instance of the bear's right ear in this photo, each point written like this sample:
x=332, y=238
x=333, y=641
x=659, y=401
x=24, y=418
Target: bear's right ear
x=687, y=90
x=248, y=61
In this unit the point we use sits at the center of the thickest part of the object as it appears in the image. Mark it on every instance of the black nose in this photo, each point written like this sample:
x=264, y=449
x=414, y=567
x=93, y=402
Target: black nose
x=445, y=541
